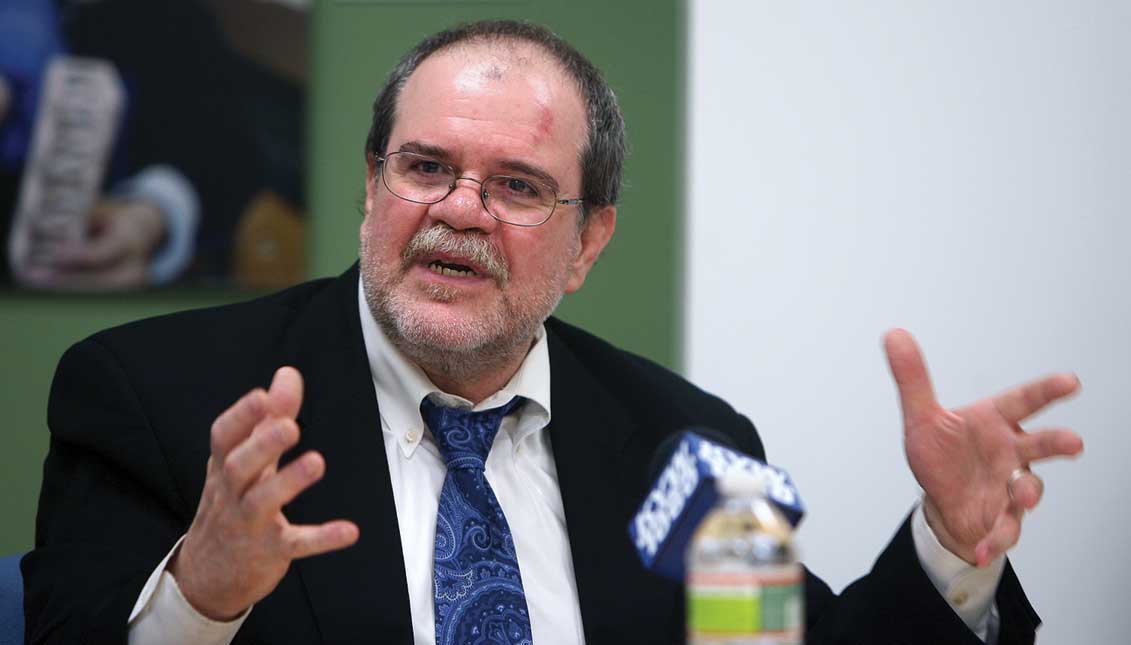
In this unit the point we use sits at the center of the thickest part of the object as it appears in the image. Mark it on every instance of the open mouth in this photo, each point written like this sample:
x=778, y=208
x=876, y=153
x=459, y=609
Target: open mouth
x=451, y=269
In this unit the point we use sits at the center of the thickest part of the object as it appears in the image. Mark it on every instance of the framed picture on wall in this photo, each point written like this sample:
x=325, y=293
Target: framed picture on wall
x=150, y=143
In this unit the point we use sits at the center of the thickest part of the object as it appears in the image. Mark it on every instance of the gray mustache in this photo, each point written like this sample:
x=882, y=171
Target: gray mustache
x=441, y=238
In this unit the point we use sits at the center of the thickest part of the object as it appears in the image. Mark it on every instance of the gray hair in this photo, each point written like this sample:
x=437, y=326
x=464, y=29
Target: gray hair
x=602, y=160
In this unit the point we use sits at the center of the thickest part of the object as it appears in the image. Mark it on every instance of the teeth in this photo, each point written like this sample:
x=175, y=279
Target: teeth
x=440, y=269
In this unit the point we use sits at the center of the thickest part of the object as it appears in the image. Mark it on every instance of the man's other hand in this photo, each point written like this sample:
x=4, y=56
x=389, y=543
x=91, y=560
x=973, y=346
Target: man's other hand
x=240, y=544
x=972, y=462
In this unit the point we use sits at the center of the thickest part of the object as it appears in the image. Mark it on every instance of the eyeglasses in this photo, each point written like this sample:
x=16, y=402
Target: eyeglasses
x=511, y=199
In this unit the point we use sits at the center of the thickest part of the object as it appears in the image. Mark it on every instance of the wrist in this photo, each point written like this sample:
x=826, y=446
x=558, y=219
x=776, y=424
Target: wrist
x=938, y=527
x=181, y=567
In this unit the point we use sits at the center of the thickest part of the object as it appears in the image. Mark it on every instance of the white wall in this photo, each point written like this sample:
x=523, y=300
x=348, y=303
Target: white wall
x=961, y=169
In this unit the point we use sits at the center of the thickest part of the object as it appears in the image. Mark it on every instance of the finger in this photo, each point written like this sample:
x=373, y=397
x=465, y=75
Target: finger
x=1026, y=490
x=96, y=252
x=1051, y=442
x=236, y=423
x=304, y=541
x=102, y=215
x=1003, y=535
x=72, y=255
x=916, y=396
x=1025, y=400
x=270, y=439
x=273, y=493
x=286, y=392
x=268, y=471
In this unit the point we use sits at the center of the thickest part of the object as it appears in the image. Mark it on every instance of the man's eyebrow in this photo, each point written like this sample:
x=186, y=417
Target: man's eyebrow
x=426, y=149
x=533, y=171
x=430, y=150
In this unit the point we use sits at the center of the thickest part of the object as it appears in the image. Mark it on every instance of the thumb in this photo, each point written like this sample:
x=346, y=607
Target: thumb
x=284, y=398
x=916, y=396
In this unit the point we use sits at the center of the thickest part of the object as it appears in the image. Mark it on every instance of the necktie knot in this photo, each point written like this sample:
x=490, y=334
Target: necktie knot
x=464, y=437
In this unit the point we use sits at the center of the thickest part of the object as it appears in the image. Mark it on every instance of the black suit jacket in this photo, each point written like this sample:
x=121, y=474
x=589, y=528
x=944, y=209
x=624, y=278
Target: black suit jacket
x=130, y=413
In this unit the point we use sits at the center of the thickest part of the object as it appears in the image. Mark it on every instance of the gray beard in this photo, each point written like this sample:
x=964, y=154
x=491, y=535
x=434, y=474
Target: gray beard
x=476, y=347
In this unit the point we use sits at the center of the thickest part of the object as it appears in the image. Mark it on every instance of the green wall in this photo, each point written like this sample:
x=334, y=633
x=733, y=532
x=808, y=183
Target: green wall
x=632, y=297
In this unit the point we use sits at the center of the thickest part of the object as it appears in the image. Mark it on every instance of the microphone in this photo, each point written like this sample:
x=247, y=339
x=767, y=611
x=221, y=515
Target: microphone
x=683, y=475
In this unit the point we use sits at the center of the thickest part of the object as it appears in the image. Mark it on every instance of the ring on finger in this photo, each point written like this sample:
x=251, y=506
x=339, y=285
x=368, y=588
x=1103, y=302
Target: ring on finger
x=1017, y=473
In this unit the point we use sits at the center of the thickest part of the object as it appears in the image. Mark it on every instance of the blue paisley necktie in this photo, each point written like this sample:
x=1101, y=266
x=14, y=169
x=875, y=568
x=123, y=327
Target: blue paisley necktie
x=476, y=581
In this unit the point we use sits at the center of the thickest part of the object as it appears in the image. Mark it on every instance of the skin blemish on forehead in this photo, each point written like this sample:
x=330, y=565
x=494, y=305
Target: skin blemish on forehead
x=527, y=115
x=493, y=72
x=545, y=120
x=477, y=76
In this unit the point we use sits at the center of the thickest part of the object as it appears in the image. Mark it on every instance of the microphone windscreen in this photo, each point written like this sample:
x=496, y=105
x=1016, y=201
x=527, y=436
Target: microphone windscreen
x=683, y=491
x=664, y=451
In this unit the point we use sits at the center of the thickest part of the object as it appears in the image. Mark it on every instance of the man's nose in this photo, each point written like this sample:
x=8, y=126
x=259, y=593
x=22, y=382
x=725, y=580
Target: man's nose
x=463, y=208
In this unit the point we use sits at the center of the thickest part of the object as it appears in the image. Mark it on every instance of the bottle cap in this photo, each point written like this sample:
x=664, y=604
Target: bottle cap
x=741, y=483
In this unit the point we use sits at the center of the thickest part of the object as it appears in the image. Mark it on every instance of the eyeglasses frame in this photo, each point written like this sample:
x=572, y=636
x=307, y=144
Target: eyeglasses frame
x=483, y=194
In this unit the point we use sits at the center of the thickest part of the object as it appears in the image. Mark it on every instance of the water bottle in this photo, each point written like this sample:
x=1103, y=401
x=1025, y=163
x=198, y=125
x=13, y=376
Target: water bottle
x=744, y=583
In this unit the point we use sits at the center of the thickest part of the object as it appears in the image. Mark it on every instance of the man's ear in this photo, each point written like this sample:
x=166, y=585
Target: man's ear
x=597, y=232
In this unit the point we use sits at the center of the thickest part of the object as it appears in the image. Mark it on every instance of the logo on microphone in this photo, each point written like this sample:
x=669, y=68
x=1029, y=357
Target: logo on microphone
x=684, y=492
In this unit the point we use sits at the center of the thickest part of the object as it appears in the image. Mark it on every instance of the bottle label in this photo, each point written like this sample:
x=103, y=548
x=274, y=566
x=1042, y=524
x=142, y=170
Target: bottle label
x=747, y=607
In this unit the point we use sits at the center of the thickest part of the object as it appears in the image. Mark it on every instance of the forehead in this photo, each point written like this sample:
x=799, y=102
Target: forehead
x=486, y=102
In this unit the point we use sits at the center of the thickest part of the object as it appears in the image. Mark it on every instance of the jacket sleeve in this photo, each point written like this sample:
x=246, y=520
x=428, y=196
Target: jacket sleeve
x=108, y=508
x=897, y=603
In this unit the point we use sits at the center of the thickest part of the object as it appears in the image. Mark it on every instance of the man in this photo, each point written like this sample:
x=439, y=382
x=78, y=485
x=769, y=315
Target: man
x=493, y=169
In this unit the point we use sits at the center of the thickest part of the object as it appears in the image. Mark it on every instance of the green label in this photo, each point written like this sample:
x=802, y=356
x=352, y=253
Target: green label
x=763, y=609
x=724, y=613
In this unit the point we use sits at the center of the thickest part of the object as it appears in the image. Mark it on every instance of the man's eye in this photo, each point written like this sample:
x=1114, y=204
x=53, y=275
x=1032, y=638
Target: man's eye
x=520, y=187
x=428, y=167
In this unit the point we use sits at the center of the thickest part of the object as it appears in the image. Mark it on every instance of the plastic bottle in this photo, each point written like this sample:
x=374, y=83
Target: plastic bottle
x=744, y=583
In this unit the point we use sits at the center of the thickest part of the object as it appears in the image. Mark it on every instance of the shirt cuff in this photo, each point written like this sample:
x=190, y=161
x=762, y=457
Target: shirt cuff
x=967, y=589
x=162, y=615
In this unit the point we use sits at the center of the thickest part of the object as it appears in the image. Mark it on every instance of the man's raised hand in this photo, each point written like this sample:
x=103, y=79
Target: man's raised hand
x=965, y=459
x=240, y=544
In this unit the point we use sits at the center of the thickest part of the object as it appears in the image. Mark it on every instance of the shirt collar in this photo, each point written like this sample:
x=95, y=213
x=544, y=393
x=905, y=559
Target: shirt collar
x=401, y=385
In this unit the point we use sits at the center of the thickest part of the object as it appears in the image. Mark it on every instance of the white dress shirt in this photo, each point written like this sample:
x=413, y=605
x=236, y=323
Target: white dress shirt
x=521, y=471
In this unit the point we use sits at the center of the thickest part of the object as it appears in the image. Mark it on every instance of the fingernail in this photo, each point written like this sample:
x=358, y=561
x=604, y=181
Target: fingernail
x=310, y=464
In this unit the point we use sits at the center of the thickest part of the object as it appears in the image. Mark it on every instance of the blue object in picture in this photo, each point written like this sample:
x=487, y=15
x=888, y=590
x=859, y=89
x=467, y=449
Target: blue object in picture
x=11, y=601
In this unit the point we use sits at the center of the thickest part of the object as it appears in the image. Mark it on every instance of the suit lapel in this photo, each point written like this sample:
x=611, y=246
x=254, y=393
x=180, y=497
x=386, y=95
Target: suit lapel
x=601, y=464
x=357, y=594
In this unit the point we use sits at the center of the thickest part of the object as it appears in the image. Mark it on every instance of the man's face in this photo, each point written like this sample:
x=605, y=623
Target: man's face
x=484, y=111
